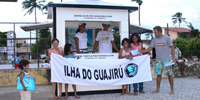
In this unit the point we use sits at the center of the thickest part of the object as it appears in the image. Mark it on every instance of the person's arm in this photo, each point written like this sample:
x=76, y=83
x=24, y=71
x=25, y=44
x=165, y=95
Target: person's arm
x=48, y=56
x=94, y=46
x=21, y=81
x=114, y=46
x=173, y=53
x=146, y=50
x=77, y=44
x=120, y=54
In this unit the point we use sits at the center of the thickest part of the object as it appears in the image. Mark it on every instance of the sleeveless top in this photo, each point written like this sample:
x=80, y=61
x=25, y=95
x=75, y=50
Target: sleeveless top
x=25, y=73
x=139, y=47
x=70, y=56
x=126, y=53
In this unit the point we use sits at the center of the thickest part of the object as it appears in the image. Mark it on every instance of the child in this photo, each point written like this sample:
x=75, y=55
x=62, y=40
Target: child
x=24, y=66
x=136, y=44
x=68, y=53
x=125, y=52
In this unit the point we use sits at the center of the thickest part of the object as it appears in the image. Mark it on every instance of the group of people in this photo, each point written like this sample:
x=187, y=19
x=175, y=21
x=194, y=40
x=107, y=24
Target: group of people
x=15, y=63
x=162, y=44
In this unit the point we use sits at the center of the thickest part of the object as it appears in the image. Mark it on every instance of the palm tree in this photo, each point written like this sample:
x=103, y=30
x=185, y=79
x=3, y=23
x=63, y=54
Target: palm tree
x=178, y=18
x=139, y=3
x=45, y=8
x=31, y=5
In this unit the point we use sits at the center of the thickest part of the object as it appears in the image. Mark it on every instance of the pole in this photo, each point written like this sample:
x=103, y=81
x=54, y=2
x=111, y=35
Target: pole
x=167, y=29
x=14, y=43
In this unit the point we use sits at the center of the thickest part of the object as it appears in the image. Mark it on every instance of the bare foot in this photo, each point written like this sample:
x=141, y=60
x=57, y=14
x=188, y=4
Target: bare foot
x=54, y=98
x=122, y=93
x=58, y=98
x=76, y=96
x=66, y=97
x=135, y=94
x=172, y=92
x=142, y=92
x=156, y=91
x=128, y=93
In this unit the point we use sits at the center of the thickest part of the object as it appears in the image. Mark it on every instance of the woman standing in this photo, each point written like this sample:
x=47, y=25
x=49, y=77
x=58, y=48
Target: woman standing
x=59, y=51
x=81, y=39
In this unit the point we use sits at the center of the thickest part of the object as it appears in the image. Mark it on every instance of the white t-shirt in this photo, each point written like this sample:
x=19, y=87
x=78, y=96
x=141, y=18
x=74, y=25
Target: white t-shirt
x=82, y=40
x=105, y=38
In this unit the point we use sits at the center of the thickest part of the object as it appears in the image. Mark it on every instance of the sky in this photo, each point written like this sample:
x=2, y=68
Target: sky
x=153, y=13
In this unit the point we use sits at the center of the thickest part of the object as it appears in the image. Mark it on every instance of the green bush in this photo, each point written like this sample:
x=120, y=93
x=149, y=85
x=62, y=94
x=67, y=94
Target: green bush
x=189, y=47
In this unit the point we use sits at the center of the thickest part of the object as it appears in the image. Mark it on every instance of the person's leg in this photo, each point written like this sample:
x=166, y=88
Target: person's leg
x=66, y=91
x=158, y=69
x=170, y=77
x=127, y=90
x=182, y=68
x=158, y=80
x=53, y=90
x=135, y=86
x=60, y=90
x=141, y=87
x=122, y=90
x=75, y=93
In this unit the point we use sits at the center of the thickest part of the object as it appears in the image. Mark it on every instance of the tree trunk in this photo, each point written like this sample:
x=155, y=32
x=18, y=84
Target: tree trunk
x=35, y=16
x=139, y=15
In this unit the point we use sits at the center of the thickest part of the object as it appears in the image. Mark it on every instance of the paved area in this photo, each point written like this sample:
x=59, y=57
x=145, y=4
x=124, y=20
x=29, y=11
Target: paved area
x=186, y=88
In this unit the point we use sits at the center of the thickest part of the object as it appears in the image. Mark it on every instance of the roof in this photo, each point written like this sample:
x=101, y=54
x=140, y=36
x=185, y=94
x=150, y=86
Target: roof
x=39, y=26
x=183, y=30
x=137, y=29
x=133, y=28
x=90, y=4
x=8, y=0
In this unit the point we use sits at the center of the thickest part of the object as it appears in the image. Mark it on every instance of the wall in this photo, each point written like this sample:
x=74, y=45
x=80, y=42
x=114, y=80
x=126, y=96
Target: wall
x=8, y=77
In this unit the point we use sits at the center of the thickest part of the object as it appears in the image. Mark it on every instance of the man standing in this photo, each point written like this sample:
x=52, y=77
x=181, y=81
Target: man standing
x=105, y=39
x=177, y=58
x=162, y=44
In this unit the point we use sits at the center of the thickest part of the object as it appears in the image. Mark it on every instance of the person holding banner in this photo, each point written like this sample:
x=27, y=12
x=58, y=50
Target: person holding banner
x=81, y=39
x=24, y=66
x=105, y=40
x=68, y=53
x=125, y=52
x=136, y=43
x=162, y=44
x=59, y=51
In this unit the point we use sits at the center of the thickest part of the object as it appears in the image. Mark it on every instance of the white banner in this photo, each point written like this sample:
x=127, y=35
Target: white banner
x=101, y=72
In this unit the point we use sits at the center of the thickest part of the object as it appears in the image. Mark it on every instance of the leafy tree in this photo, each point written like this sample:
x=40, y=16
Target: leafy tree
x=31, y=5
x=182, y=35
x=45, y=8
x=177, y=18
x=117, y=41
x=43, y=44
x=139, y=3
x=3, y=35
x=194, y=32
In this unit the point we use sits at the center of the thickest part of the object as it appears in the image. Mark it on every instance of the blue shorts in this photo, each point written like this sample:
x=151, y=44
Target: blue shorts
x=160, y=67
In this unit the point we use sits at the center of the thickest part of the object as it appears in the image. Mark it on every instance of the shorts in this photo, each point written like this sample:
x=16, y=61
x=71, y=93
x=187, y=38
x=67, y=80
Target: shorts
x=16, y=66
x=25, y=95
x=160, y=67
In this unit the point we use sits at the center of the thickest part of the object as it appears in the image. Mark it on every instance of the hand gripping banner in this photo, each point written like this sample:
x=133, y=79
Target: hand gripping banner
x=100, y=72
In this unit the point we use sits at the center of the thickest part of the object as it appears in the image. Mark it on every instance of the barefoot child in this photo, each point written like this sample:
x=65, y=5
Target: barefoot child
x=136, y=44
x=68, y=53
x=125, y=52
x=24, y=66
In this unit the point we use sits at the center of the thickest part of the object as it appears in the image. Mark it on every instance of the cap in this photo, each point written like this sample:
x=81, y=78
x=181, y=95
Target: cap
x=81, y=23
x=105, y=23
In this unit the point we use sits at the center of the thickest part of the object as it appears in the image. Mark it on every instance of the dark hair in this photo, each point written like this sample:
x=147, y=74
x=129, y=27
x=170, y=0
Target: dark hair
x=158, y=28
x=23, y=63
x=135, y=34
x=174, y=42
x=127, y=40
x=67, y=48
x=54, y=40
x=78, y=30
